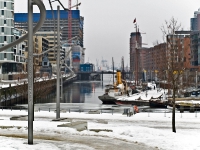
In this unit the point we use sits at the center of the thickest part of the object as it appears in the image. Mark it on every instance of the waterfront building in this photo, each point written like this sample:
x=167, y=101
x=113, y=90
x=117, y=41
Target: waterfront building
x=147, y=66
x=19, y=50
x=187, y=52
x=195, y=48
x=143, y=53
x=11, y=59
x=152, y=61
x=135, y=45
x=48, y=28
x=40, y=45
x=49, y=35
x=21, y=19
x=195, y=21
x=77, y=57
x=87, y=67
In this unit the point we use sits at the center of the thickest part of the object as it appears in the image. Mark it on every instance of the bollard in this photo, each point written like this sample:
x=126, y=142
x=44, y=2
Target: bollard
x=196, y=114
x=128, y=112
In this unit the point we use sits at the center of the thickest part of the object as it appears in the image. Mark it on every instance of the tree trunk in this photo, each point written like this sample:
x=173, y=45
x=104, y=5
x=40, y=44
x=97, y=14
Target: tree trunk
x=173, y=111
x=33, y=111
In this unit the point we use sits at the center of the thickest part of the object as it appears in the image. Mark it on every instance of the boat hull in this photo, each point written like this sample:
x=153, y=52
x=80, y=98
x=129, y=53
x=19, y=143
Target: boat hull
x=106, y=99
x=187, y=108
x=134, y=102
x=158, y=104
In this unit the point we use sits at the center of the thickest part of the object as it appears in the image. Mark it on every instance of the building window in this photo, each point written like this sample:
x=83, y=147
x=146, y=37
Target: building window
x=2, y=29
x=4, y=4
x=5, y=56
x=2, y=12
x=4, y=21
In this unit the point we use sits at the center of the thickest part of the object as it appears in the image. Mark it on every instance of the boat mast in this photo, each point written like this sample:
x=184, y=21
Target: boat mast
x=113, y=70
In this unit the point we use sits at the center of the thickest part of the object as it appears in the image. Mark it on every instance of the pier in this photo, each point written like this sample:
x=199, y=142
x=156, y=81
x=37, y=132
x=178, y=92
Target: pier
x=94, y=75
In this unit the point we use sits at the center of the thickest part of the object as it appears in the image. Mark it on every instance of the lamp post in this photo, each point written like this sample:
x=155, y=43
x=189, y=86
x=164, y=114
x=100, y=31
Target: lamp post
x=196, y=79
x=58, y=66
x=30, y=72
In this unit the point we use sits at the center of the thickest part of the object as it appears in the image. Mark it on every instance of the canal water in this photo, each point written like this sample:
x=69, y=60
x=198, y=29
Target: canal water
x=84, y=95
x=83, y=91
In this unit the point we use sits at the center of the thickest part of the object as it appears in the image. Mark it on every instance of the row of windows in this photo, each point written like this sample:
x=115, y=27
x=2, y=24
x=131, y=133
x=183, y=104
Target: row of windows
x=9, y=56
x=8, y=22
x=8, y=39
x=6, y=14
x=10, y=67
x=6, y=31
x=8, y=5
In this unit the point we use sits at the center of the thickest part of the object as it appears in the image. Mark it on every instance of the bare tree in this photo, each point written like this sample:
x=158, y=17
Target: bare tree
x=175, y=57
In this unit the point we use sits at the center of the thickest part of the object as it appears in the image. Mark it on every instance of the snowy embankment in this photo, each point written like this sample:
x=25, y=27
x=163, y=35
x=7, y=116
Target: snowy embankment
x=150, y=129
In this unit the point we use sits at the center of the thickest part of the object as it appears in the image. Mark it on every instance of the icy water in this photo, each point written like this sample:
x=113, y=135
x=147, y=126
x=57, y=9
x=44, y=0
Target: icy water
x=83, y=96
x=84, y=91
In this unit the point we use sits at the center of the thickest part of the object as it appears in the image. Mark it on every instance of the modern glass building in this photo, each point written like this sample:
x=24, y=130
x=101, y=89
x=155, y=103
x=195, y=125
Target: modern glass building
x=50, y=25
x=195, y=22
x=21, y=22
x=195, y=39
x=6, y=28
x=10, y=59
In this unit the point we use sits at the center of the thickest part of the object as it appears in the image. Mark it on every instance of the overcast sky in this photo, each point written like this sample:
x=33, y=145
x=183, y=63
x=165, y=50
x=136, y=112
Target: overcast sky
x=108, y=23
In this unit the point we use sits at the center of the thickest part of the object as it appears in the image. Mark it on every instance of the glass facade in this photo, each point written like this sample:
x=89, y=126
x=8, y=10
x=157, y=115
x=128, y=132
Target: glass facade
x=195, y=48
x=11, y=67
x=12, y=57
x=6, y=21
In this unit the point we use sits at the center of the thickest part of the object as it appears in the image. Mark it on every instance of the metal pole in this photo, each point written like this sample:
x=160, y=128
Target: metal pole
x=113, y=71
x=58, y=65
x=196, y=79
x=30, y=72
x=61, y=98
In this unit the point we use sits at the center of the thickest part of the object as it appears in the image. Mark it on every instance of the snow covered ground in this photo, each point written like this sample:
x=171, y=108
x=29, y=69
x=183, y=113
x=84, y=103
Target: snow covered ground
x=141, y=131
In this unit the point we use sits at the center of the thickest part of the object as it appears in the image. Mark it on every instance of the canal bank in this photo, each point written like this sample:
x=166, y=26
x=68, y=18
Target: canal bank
x=14, y=92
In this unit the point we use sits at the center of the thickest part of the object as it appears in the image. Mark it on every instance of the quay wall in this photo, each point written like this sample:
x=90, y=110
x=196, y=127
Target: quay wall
x=17, y=94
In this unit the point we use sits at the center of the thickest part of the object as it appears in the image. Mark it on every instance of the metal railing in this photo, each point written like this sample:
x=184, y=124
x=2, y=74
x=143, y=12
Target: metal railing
x=125, y=111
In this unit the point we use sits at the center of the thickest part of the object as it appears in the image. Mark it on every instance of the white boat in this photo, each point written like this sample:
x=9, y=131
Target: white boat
x=143, y=98
x=115, y=91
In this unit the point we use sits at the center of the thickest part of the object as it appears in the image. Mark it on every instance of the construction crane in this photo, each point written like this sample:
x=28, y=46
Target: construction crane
x=77, y=5
x=69, y=20
x=70, y=17
x=137, y=54
x=69, y=9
